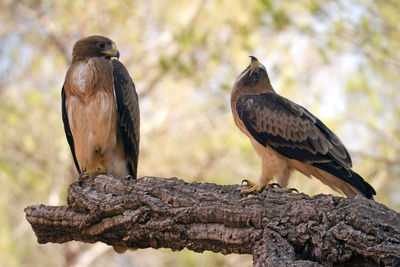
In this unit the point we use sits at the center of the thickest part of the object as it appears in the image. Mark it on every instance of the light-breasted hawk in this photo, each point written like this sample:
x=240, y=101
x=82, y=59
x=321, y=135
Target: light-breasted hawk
x=100, y=110
x=288, y=137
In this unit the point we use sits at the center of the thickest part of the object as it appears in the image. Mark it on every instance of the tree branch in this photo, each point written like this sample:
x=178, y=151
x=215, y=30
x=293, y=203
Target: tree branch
x=277, y=227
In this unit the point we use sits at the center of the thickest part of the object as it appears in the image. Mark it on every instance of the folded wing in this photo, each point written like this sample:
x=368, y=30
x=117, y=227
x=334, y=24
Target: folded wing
x=128, y=114
x=295, y=133
x=67, y=128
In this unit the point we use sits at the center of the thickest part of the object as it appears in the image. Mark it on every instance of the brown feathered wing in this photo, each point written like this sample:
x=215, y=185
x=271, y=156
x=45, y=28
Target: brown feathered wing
x=67, y=128
x=295, y=133
x=128, y=114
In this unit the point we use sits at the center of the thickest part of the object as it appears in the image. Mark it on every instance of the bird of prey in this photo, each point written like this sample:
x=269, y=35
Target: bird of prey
x=100, y=110
x=287, y=137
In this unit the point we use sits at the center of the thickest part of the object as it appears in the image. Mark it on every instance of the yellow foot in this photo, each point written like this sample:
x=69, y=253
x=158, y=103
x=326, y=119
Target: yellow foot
x=85, y=174
x=254, y=187
x=276, y=185
x=258, y=188
x=98, y=171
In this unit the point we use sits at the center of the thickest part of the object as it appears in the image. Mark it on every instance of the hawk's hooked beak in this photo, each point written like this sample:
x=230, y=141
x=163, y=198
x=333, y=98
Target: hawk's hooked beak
x=113, y=52
x=254, y=63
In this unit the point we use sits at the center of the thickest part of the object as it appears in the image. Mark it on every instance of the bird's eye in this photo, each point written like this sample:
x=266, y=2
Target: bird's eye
x=255, y=76
x=100, y=45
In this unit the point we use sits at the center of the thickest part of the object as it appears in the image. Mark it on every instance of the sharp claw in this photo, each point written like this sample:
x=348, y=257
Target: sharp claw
x=248, y=182
x=291, y=190
x=274, y=185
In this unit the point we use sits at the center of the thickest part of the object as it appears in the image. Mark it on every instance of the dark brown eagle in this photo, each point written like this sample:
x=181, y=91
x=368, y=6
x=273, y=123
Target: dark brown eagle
x=100, y=110
x=287, y=136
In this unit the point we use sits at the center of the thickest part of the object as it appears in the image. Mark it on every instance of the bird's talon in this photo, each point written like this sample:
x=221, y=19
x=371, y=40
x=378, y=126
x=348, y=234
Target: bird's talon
x=255, y=188
x=274, y=185
x=98, y=171
x=248, y=182
x=85, y=174
x=249, y=191
x=291, y=190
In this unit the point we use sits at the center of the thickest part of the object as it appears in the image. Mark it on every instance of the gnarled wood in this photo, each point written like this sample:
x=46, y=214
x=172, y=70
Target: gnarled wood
x=277, y=227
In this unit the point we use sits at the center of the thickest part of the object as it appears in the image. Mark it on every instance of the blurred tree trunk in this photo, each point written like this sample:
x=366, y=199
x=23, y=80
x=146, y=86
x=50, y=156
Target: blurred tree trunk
x=277, y=227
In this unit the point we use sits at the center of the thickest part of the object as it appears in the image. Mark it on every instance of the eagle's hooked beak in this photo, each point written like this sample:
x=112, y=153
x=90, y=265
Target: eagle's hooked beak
x=113, y=52
x=254, y=63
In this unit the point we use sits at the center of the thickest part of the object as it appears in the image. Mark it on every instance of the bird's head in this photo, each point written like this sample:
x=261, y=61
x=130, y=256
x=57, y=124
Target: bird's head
x=94, y=46
x=254, y=79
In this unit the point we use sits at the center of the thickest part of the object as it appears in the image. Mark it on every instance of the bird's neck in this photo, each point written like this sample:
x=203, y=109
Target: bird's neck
x=238, y=91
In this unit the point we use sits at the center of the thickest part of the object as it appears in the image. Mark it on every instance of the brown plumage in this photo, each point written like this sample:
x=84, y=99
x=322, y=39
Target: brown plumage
x=100, y=110
x=287, y=137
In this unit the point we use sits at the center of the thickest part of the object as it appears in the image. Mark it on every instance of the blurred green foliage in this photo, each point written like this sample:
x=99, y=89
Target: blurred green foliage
x=340, y=59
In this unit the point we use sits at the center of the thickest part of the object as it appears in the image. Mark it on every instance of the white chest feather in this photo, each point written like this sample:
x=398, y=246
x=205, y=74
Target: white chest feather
x=80, y=76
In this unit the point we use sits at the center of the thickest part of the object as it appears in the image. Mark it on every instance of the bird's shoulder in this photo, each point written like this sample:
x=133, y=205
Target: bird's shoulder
x=120, y=72
x=274, y=102
x=272, y=112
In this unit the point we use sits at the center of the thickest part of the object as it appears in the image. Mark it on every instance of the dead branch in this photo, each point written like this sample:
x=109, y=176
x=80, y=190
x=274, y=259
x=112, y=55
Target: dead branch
x=277, y=227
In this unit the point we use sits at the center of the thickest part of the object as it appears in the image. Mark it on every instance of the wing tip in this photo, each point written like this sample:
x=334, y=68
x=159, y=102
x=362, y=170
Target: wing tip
x=368, y=191
x=360, y=185
x=350, y=177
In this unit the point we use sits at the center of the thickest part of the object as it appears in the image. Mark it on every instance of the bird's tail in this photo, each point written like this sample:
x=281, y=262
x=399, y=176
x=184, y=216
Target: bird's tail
x=346, y=180
x=366, y=189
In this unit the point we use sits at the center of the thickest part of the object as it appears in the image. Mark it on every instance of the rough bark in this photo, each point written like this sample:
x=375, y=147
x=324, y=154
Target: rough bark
x=279, y=228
